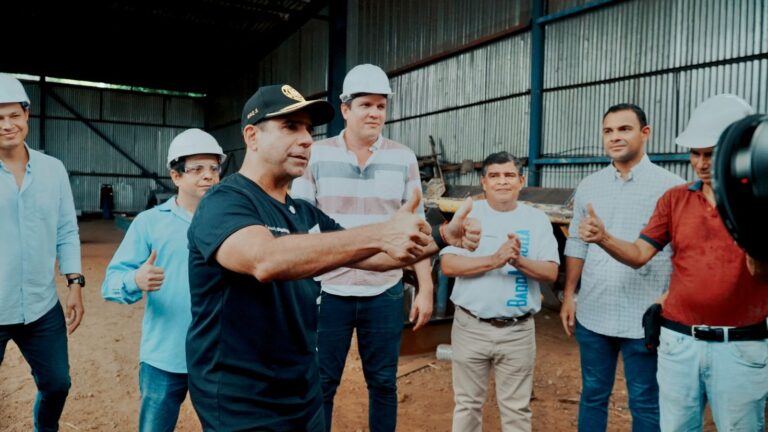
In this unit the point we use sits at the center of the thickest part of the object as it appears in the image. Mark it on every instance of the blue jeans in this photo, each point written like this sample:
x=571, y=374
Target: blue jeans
x=43, y=344
x=732, y=376
x=599, y=354
x=379, y=323
x=162, y=394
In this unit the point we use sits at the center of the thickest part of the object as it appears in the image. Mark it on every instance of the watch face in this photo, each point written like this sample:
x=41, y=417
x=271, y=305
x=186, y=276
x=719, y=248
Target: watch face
x=80, y=280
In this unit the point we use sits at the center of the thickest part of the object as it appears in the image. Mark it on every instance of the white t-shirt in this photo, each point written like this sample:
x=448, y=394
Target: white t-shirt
x=505, y=291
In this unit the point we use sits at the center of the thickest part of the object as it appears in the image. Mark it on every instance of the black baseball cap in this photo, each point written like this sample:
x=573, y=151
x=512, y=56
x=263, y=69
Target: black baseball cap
x=278, y=100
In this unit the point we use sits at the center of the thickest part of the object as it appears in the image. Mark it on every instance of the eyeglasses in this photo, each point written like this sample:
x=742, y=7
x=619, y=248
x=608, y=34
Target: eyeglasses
x=199, y=169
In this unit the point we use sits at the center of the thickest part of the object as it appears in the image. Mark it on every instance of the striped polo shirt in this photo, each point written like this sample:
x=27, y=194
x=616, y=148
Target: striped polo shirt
x=355, y=196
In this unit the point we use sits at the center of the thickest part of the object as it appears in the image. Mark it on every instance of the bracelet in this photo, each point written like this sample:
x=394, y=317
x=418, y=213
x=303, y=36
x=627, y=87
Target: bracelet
x=438, y=236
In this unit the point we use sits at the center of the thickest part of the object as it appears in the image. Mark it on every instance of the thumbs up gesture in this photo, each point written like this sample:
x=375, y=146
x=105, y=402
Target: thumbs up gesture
x=591, y=228
x=406, y=233
x=149, y=277
x=463, y=231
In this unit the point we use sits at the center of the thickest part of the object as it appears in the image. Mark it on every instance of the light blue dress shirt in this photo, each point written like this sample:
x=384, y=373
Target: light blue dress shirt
x=614, y=296
x=38, y=224
x=167, y=313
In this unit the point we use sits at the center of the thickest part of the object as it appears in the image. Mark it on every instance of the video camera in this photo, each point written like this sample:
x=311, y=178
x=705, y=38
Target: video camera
x=740, y=183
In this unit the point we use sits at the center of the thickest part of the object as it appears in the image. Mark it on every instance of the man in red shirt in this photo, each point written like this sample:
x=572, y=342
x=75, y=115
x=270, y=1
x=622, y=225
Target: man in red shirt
x=714, y=338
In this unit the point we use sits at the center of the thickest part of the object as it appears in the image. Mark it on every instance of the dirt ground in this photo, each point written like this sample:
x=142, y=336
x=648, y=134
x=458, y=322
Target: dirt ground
x=103, y=356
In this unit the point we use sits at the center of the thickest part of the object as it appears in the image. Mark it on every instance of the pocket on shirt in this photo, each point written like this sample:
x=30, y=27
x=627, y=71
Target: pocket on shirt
x=389, y=184
x=753, y=354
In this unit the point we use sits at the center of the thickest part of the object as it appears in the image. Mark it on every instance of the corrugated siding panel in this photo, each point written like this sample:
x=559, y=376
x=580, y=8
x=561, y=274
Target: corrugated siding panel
x=86, y=101
x=33, y=136
x=683, y=169
x=33, y=91
x=184, y=112
x=132, y=108
x=573, y=117
x=407, y=31
x=637, y=37
x=566, y=176
x=301, y=60
x=130, y=194
x=496, y=70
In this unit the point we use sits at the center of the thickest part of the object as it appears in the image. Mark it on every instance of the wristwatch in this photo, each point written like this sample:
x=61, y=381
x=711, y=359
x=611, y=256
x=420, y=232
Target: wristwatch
x=80, y=280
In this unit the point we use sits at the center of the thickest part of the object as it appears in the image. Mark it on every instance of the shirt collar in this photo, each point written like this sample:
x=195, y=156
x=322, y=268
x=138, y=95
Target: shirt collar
x=696, y=186
x=171, y=206
x=376, y=146
x=638, y=169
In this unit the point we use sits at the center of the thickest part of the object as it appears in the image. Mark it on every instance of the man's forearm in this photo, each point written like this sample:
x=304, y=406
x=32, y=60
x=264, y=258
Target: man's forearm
x=383, y=262
x=624, y=252
x=456, y=265
x=542, y=271
x=573, y=268
x=423, y=270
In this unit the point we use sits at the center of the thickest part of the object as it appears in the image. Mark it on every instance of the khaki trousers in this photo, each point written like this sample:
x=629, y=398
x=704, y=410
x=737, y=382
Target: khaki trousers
x=511, y=351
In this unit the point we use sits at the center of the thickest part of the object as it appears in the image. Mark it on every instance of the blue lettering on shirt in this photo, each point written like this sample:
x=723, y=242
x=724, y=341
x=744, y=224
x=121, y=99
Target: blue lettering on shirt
x=520, y=297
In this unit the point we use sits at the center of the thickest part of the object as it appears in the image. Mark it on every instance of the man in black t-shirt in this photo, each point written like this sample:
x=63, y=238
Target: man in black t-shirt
x=251, y=346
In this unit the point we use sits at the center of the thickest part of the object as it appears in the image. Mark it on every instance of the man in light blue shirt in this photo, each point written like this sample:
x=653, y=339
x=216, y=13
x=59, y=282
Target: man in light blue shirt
x=37, y=225
x=608, y=316
x=153, y=259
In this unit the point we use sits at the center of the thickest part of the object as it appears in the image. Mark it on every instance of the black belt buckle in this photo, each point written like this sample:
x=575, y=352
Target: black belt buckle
x=707, y=333
x=501, y=323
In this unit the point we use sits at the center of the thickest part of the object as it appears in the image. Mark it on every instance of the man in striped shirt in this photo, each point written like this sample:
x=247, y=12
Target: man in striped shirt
x=358, y=178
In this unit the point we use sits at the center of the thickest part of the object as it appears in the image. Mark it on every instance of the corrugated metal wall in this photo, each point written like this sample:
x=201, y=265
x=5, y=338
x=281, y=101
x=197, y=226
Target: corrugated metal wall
x=463, y=73
x=666, y=56
x=142, y=125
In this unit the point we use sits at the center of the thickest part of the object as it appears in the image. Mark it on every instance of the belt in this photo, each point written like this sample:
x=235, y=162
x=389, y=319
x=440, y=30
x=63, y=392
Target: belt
x=707, y=333
x=497, y=322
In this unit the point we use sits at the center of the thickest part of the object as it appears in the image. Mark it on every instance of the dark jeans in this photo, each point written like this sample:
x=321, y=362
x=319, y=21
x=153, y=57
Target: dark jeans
x=43, y=344
x=599, y=354
x=379, y=322
x=162, y=394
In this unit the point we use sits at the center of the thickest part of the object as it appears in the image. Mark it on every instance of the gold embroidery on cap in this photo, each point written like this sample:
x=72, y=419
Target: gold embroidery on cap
x=292, y=93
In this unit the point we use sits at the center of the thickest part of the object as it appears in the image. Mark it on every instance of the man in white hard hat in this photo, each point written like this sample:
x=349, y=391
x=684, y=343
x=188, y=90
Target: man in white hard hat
x=38, y=225
x=253, y=250
x=152, y=262
x=359, y=177
x=612, y=296
x=714, y=329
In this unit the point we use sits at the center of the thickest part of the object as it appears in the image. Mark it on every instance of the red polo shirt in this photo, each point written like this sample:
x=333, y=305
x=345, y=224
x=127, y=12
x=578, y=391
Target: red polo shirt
x=710, y=283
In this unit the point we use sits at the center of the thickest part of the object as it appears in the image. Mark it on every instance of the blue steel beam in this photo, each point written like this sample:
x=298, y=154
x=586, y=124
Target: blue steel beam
x=537, y=94
x=573, y=11
x=672, y=157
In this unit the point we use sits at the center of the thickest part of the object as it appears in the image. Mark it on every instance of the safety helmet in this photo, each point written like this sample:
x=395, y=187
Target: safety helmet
x=710, y=119
x=194, y=142
x=12, y=91
x=365, y=78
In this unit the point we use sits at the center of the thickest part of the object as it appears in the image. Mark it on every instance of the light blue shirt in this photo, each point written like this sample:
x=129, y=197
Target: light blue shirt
x=38, y=224
x=168, y=311
x=613, y=296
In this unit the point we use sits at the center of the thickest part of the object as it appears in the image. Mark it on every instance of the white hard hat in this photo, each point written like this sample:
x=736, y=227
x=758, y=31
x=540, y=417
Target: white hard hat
x=711, y=118
x=194, y=142
x=12, y=91
x=365, y=78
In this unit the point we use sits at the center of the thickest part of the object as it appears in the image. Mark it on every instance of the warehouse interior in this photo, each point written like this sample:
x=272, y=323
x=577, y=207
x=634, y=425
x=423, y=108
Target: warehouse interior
x=118, y=80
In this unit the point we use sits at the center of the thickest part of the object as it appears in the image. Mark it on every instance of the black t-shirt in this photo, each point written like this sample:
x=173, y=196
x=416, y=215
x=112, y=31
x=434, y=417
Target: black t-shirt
x=251, y=346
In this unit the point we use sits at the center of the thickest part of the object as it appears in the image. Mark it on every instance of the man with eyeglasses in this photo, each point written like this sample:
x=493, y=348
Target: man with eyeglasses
x=153, y=259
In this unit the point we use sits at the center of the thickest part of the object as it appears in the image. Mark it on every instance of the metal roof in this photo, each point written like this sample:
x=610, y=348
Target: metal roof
x=174, y=45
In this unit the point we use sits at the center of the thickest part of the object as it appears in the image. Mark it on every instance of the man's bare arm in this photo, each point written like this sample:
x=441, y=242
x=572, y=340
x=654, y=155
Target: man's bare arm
x=635, y=255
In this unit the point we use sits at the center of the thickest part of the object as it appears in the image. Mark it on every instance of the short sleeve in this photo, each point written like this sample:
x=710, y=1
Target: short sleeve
x=657, y=232
x=221, y=213
x=548, y=250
